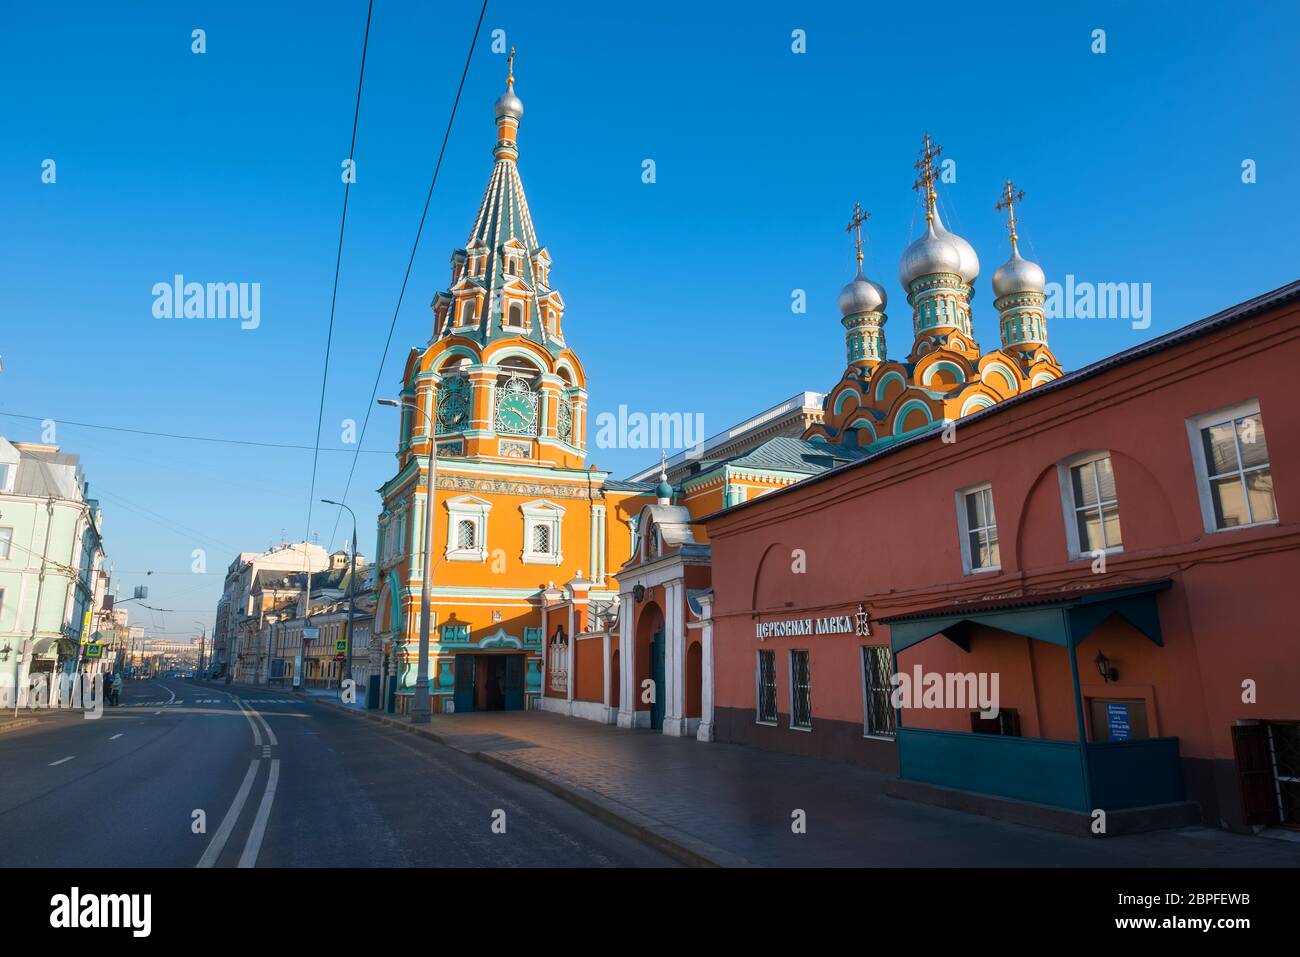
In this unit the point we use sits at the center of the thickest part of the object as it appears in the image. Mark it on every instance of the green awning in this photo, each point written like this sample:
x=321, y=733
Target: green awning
x=1059, y=618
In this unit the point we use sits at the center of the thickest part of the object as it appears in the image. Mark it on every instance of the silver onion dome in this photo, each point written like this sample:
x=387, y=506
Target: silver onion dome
x=970, y=263
x=509, y=104
x=862, y=295
x=932, y=253
x=1018, y=275
x=938, y=251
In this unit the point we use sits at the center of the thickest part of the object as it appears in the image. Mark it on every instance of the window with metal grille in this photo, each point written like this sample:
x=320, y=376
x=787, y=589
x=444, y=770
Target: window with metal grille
x=800, y=691
x=878, y=669
x=542, y=539
x=980, y=530
x=465, y=534
x=1237, y=479
x=766, y=682
x=1096, y=506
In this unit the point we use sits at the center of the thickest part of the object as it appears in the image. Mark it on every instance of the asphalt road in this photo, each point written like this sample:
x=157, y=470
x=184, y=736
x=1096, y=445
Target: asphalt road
x=280, y=782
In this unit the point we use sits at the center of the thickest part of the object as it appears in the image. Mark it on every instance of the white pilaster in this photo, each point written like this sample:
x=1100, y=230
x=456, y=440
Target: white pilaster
x=705, y=731
x=674, y=690
x=626, y=663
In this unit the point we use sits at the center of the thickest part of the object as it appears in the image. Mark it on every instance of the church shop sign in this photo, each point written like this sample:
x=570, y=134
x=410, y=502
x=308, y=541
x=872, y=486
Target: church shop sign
x=859, y=625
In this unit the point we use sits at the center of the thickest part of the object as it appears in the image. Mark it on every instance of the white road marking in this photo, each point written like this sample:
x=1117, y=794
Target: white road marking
x=157, y=712
x=218, y=842
x=257, y=734
x=270, y=735
x=253, y=846
x=62, y=760
x=116, y=736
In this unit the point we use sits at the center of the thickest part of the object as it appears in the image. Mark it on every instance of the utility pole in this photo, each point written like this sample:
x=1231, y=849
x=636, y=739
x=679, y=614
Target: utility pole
x=420, y=702
x=203, y=644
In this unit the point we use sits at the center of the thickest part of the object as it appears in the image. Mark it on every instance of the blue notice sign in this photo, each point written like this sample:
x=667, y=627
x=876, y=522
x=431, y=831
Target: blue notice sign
x=1117, y=721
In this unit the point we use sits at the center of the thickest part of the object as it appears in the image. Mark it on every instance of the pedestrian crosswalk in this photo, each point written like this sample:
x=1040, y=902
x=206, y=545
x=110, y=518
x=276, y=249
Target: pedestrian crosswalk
x=172, y=704
x=268, y=700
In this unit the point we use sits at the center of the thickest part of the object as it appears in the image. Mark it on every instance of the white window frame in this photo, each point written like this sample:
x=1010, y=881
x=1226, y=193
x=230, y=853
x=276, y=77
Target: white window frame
x=8, y=472
x=1070, y=508
x=6, y=543
x=511, y=304
x=542, y=512
x=758, y=688
x=793, y=692
x=1195, y=426
x=467, y=508
x=967, y=558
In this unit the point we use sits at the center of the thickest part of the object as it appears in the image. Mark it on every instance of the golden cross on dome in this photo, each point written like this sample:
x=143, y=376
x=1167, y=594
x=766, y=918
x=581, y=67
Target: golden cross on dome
x=1010, y=196
x=929, y=153
x=510, y=68
x=860, y=216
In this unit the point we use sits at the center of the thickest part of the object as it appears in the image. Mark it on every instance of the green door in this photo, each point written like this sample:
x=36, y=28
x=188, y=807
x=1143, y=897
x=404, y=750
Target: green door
x=464, y=693
x=657, y=673
x=514, y=683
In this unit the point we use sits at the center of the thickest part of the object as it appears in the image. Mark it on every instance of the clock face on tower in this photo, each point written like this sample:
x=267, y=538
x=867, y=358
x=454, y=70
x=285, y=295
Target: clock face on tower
x=516, y=408
x=453, y=405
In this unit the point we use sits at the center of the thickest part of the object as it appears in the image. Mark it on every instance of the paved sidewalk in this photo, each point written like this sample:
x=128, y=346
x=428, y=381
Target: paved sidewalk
x=731, y=805
x=739, y=801
x=332, y=696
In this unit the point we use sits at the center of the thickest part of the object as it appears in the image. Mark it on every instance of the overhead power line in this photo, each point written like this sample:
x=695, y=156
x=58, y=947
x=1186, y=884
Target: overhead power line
x=410, y=262
x=338, y=265
x=186, y=437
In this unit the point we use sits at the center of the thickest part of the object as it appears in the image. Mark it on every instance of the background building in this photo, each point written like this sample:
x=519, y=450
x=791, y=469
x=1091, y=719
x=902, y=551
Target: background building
x=235, y=605
x=52, y=585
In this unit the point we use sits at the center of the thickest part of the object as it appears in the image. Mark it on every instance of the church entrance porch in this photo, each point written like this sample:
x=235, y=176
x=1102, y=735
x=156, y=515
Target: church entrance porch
x=488, y=682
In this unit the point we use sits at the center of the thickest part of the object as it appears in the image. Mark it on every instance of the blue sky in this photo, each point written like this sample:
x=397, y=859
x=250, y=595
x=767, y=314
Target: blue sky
x=225, y=167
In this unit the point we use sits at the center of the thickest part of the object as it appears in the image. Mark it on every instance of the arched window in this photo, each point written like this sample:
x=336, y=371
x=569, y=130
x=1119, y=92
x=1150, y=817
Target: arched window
x=467, y=311
x=516, y=314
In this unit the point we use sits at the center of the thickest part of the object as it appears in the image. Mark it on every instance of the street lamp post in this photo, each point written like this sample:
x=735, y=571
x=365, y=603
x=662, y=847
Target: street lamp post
x=352, y=588
x=203, y=644
x=420, y=703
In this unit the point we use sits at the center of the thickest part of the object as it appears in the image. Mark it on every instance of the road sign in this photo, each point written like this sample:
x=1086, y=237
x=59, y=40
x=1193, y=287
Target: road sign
x=93, y=650
x=340, y=644
x=310, y=633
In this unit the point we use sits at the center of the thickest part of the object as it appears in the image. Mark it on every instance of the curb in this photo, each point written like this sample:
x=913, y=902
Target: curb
x=667, y=840
x=14, y=725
